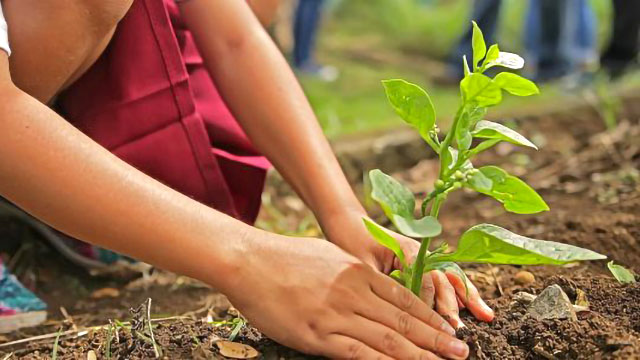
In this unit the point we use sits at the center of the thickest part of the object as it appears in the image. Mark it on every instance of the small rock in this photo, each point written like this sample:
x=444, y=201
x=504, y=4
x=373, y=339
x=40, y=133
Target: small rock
x=105, y=292
x=552, y=303
x=236, y=350
x=91, y=355
x=524, y=297
x=524, y=278
x=579, y=309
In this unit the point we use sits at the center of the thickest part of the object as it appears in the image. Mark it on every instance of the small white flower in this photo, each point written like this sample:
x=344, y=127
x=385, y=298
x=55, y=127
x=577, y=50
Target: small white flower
x=508, y=60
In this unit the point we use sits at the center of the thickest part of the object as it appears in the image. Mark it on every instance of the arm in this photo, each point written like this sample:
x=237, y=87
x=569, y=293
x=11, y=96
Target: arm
x=56, y=173
x=263, y=94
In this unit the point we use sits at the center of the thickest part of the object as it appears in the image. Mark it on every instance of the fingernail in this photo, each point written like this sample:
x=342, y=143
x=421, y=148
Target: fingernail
x=459, y=349
x=459, y=323
x=486, y=307
x=448, y=329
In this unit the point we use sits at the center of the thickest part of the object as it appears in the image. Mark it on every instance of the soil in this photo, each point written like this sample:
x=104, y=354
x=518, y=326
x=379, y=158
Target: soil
x=590, y=179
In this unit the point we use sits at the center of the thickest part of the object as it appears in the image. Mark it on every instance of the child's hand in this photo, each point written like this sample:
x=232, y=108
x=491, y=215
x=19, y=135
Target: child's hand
x=312, y=296
x=443, y=291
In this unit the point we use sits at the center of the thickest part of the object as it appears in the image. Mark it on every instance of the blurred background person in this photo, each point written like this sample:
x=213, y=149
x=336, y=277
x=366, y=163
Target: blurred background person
x=307, y=19
x=622, y=51
x=560, y=39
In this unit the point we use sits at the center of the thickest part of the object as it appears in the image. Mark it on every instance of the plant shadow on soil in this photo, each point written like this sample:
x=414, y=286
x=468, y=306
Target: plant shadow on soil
x=591, y=181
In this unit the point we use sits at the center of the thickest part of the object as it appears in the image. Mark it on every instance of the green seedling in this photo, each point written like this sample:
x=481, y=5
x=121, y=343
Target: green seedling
x=56, y=343
x=236, y=325
x=622, y=274
x=468, y=136
x=107, y=350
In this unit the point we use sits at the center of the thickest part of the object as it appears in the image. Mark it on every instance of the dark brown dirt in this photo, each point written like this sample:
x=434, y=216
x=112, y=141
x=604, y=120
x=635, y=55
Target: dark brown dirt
x=591, y=182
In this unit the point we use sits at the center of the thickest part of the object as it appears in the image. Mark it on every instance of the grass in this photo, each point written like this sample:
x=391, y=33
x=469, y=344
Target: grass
x=371, y=40
x=54, y=352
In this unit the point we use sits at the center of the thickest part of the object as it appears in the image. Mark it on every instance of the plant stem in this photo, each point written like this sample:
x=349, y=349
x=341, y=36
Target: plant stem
x=418, y=265
x=433, y=145
x=416, y=277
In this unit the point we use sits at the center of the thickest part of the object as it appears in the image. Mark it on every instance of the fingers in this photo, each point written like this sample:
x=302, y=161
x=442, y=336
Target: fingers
x=427, y=291
x=413, y=329
x=398, y=309
x=446, y=299
x=387, y=289
x=390, y=342
x=343, y=347
x=472, y=300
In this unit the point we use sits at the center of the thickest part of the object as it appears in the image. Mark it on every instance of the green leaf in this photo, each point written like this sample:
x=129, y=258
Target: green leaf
x=398, y=276
x=492, y=54
x=480, y=182
x=487, y=243
x=479, y=47
x=492, y=130
x=514, y=194
x=451, y=159
x=480, y=90
x=623, y=275
x=428, y=226
x=412, y=103
x=467, y=121
x=465, y=66
x=463, y=133
x=398, y=203
x=516, y=84
x=385, y=239
x=393, y=197
x=464, y=139
x=506, y=59
x=485, y=145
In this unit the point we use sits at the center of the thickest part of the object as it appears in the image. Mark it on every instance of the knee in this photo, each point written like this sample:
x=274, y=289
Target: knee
x=104, y=15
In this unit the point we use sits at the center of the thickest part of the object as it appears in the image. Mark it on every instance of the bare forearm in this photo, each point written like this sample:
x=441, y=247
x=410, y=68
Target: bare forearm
x=263, y=94
x=64, y=178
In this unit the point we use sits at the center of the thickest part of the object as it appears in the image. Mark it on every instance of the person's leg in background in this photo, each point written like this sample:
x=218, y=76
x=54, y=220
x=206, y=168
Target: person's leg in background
x=625, y=38
x=545, y=36
x=486, y=13
x=305, y=29
x=586, y=37
x=579, y=46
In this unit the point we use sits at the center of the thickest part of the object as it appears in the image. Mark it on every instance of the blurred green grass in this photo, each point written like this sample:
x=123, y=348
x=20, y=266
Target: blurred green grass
x=372, y=40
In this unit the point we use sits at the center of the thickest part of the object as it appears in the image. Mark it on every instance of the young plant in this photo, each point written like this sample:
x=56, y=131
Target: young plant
x=622, y=274
x=482, y=243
